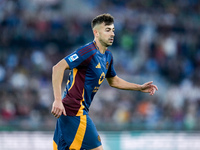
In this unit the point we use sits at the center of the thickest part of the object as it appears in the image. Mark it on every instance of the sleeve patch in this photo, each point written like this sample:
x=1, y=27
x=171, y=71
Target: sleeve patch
x=73, y=57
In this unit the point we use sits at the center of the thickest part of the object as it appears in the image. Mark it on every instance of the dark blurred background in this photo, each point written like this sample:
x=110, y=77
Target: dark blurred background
x=155, y=41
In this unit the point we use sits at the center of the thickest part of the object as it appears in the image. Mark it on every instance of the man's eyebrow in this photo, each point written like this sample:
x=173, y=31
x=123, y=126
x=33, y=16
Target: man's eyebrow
x=110, y=28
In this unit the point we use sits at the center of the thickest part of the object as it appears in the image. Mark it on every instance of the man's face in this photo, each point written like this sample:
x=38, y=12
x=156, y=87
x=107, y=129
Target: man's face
x=106, y=34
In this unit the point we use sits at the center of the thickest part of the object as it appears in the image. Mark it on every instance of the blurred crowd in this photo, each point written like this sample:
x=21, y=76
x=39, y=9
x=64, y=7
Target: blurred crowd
x=154, y=40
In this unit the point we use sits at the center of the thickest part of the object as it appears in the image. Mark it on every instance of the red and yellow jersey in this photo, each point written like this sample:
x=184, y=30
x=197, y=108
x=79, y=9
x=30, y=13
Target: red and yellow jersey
x=89, y=68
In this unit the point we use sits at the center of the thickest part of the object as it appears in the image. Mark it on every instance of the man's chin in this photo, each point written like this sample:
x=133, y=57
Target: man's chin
x=109, y=44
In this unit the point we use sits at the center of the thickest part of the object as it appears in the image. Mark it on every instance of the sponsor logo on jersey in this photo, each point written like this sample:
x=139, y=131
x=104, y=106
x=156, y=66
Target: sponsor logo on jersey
x=98, y=65
x=102, y=77
x=73, y=57
x=95, y=89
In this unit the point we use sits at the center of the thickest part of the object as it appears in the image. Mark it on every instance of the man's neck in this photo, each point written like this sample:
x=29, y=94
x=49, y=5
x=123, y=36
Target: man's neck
x=100, y=47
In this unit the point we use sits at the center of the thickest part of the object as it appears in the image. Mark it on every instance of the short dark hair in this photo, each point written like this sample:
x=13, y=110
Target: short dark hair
x=106, y=18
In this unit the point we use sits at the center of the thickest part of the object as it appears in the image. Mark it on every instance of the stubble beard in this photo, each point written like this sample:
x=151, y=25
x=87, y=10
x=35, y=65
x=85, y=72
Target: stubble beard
x=106, y=44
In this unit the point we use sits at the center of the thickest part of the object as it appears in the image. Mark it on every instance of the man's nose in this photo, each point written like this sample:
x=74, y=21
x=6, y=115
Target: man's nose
x=113, y=34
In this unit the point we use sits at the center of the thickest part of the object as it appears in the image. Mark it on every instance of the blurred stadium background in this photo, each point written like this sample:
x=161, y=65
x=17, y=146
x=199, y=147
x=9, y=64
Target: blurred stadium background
x=155, y=40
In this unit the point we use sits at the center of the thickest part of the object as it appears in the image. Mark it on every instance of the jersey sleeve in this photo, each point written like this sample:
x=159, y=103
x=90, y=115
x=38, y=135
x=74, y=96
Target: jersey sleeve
x=74, y=59
x=111, y=71
x=80, y=55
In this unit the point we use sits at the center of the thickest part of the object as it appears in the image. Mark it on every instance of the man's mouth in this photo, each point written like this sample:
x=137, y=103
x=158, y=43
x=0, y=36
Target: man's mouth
x=111, y=39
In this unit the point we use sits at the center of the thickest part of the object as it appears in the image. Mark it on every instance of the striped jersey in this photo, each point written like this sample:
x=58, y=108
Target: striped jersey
x=88, y=68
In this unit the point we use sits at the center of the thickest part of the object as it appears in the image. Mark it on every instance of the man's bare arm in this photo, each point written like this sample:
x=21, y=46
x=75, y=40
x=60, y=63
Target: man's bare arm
x=57, y=78
x=119, y=83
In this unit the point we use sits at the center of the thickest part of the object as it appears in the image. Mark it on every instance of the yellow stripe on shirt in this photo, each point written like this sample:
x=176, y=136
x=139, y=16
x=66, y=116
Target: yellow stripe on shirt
x=77, y=143
x=75, y=70
x=80, y=111
x=55, y=147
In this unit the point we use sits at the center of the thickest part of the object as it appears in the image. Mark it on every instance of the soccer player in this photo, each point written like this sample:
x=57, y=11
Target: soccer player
x=89, y=65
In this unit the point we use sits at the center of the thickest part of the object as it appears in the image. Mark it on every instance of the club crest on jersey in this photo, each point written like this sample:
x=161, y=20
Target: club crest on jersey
x=73, y=57
x=107, y=65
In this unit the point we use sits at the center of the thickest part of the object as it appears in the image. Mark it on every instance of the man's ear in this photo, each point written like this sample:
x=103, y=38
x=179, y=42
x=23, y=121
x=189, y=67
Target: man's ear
x=95, y=32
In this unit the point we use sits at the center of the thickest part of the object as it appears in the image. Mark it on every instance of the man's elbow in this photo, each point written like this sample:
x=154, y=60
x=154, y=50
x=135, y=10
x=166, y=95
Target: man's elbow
x=54, y=68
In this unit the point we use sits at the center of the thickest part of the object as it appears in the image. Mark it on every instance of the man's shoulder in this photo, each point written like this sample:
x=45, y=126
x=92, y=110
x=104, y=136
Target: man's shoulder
x=87, y=49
